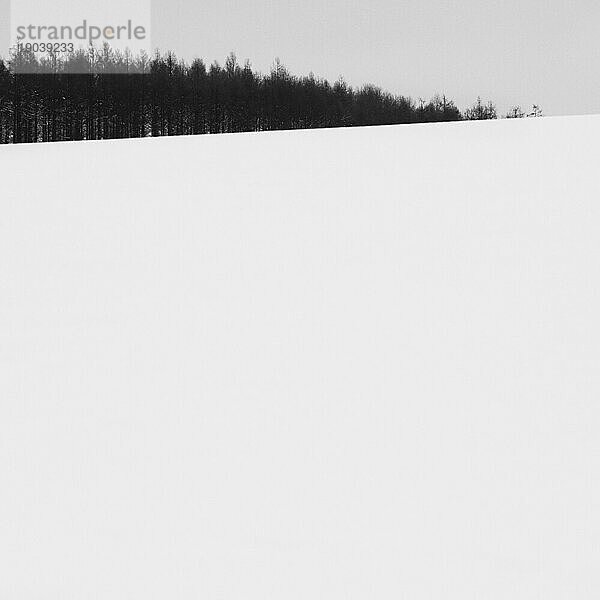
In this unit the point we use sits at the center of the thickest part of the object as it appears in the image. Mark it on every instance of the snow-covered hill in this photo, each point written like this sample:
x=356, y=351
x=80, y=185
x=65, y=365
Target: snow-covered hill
x=340, y=364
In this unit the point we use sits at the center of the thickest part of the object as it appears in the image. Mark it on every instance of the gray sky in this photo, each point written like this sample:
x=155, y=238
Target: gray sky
x=532, y=51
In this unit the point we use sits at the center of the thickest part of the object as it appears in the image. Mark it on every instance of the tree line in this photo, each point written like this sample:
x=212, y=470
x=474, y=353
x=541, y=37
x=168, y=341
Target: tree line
x=92, y=95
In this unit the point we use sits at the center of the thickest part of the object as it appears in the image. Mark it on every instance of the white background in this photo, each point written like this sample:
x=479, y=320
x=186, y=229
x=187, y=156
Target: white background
x=331, y=364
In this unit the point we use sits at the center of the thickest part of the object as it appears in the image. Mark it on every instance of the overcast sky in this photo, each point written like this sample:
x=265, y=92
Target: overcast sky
x=531, y=51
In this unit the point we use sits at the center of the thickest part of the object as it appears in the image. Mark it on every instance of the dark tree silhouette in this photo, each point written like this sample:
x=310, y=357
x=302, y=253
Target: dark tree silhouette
x=102, y=94
x=536, y=111
x=481, y=112
x=515, y=113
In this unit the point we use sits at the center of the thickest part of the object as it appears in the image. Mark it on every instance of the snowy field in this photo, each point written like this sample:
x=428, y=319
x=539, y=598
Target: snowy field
x=346, y=364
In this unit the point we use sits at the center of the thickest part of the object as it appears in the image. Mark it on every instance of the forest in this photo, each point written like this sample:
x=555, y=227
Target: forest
x=107, y=94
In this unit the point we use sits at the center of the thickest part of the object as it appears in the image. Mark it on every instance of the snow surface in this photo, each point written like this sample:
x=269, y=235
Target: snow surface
x=340, y=364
